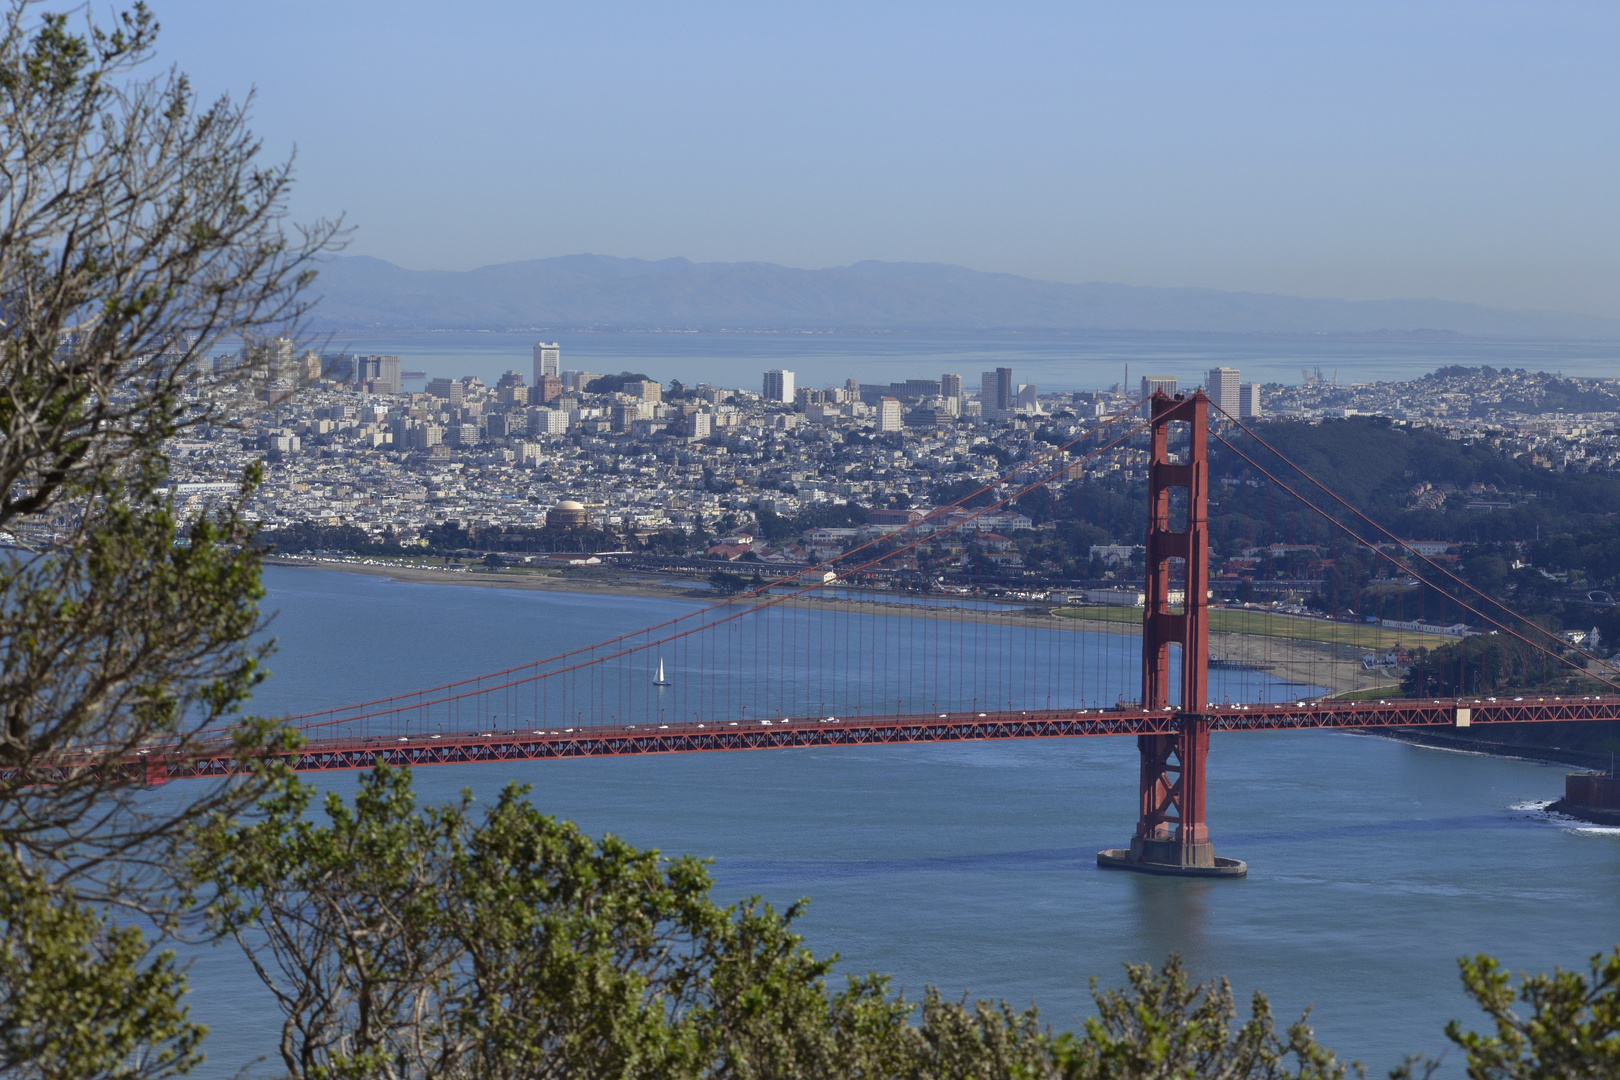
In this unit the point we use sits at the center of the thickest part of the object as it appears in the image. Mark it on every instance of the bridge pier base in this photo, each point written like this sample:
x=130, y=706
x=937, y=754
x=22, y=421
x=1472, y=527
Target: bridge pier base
x=1171, y=858
x=1171, y=837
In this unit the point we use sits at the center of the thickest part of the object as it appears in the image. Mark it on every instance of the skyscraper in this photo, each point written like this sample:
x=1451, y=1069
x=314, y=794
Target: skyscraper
x=1222, y=388
x=950, y=386
x=547, y=360
x=378, y=374
x=273, y=361
x=996, y=391
x=1249, y=401
x=778, y=385
x=1153, y=383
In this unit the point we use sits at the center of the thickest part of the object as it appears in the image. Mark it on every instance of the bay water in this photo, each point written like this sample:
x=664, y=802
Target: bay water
x=1373, y=864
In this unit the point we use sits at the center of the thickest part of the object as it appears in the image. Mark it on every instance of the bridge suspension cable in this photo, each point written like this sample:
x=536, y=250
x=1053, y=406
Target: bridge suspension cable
x=1560, y=655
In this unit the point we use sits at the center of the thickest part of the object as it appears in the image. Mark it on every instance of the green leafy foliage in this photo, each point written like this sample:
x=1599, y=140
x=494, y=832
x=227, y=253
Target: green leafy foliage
x=81, y=997
x=776, y=529
x=1168, y=1027
x=139, y=230
x=1571, y=1030
x=419, y=942
x=612, y=384
x=727, y=583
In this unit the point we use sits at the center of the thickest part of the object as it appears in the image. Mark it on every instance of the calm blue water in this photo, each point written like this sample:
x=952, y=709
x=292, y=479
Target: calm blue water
x=1373, y=864
x=1053, y=361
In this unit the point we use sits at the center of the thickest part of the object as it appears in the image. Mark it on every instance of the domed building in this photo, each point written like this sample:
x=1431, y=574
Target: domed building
x=568, y=514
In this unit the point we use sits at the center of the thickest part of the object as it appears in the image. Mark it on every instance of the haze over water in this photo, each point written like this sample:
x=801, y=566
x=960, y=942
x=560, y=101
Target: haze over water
x=1053, y=361
x=1373, y=864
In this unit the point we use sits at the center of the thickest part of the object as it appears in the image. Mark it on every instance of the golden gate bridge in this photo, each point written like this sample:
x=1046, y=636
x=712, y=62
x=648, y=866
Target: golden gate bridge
x=811, y=661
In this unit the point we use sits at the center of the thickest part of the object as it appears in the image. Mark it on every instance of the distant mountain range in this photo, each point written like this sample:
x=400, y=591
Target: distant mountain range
x=579, y=292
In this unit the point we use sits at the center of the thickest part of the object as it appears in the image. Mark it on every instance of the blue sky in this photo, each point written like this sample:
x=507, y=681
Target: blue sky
x=1462, y=151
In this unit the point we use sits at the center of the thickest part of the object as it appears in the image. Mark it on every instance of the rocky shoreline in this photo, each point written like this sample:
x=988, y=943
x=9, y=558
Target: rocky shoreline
x=1597, y=815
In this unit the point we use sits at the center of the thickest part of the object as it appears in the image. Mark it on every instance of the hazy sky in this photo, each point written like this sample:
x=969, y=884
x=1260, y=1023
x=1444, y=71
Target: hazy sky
x=1468, y=151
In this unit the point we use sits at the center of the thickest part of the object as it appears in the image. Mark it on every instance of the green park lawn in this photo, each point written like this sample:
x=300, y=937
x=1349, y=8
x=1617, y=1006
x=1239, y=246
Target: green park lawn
x=1270, y=624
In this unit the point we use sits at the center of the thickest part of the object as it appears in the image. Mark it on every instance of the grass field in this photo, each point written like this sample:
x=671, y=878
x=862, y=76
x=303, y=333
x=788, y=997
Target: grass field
x=1267, y=624
x=1371, y=693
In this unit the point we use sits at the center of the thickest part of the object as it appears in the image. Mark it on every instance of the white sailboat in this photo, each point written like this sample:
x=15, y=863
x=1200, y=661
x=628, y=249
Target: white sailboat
x=661, y=681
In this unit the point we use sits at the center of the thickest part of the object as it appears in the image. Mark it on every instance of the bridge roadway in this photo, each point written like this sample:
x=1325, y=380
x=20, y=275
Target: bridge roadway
x=320, y=754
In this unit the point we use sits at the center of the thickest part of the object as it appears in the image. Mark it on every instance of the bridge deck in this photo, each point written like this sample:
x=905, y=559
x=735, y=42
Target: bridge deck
x=539, y=743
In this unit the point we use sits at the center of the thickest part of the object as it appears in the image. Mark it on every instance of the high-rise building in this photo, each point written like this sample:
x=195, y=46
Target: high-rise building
x=547, y=390
x=548, y=422
x=1222, y=388
x=448, y=389
x=338, y=366
x=547, y=360
x=274, y=362
x=888, y=416
x=379, y=374
x=645, y=389
x=1248, y=401
x=996, y=392
x=1153, y=383
x=1028, y=399
x=778, y=385
x=950, y=386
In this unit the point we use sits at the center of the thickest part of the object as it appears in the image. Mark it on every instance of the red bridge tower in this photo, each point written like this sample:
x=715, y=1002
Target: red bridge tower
x=1171, y=836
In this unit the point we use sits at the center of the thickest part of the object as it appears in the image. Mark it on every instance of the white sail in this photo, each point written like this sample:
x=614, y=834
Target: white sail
x=660, y=681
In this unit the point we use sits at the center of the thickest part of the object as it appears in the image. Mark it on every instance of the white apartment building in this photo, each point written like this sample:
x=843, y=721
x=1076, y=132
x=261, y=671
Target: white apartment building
x=778, y=385
x=888, y=416
x=1222, y=388
x=548, y=422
